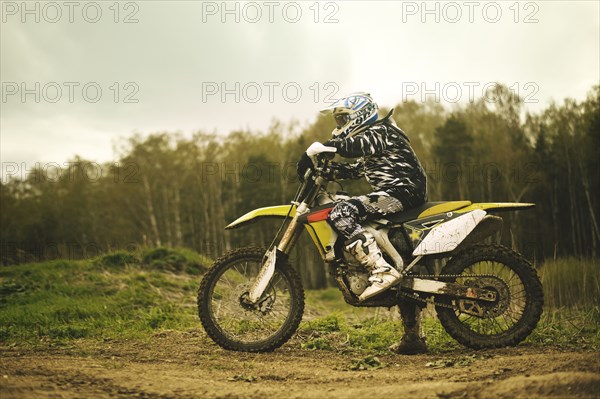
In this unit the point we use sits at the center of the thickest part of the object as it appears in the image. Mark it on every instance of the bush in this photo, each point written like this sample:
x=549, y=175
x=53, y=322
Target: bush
x=175, y=261
x=117, y=259
x=329, y=323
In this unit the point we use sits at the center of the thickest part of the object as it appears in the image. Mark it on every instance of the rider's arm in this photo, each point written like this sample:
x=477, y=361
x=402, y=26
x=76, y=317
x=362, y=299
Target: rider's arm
x=371, y=142
x=342, y=170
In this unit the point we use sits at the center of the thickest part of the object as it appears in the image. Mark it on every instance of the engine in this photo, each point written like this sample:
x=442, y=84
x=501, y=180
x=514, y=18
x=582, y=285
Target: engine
x=358, y=282
x=356, y=275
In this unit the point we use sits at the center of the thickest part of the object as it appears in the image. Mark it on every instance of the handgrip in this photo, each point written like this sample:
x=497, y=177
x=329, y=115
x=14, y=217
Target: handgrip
x=328, y=156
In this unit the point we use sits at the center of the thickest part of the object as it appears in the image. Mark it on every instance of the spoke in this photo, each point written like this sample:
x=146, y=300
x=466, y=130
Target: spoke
x=227, y=324
x=512, y=276
x=277, y=282
x=514, y=316
x=510, y=322
x=494, y=322
x=226, y=280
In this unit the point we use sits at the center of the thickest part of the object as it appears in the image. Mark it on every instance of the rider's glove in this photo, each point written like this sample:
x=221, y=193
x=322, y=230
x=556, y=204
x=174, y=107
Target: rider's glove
x=303, y=164
x=316, y=148
x=309, y=158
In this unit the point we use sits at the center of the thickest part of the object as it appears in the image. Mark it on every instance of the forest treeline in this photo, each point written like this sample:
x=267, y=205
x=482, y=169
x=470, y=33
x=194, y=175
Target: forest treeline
x=169, y=190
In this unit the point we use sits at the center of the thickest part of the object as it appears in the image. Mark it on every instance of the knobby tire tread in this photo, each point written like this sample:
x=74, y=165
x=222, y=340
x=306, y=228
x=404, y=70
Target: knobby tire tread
x=291, y=324
x=533, y=289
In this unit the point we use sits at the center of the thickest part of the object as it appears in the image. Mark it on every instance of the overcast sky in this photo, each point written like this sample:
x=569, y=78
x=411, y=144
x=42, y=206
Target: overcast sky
x=188, y=66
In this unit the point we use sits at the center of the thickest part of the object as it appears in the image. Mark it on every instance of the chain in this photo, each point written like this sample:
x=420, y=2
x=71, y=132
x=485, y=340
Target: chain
x=450, y=275
x=417, y=298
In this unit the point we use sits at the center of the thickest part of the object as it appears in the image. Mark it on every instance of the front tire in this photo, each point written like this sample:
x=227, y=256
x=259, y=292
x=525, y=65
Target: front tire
x=520, y=298
x=236, y=325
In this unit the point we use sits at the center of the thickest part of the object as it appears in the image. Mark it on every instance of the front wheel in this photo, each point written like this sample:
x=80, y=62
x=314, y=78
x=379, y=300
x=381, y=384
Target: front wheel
x=504, y=322
x=234, y=323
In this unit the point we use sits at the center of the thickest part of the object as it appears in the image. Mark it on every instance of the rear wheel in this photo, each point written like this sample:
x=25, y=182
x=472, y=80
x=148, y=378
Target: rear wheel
x=519, y=298
x=234, y=323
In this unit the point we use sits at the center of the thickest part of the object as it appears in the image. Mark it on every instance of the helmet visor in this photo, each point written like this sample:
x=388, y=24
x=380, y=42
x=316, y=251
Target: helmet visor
x=341, y=119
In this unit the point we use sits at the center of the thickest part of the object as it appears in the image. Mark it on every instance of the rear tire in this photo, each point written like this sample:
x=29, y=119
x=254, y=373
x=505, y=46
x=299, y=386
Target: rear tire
x=513, y=320
x=234, y=327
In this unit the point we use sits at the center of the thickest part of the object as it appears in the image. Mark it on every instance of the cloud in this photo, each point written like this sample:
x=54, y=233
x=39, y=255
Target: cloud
x=166, y=62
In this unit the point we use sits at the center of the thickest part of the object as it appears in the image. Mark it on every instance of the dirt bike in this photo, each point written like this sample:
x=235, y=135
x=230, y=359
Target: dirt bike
x=485, y=295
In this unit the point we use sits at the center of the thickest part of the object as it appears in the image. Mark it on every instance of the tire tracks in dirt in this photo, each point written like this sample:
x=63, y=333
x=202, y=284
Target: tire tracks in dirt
x=183, y=365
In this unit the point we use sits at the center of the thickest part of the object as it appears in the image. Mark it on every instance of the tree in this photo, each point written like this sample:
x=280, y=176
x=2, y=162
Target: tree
x=453, y=150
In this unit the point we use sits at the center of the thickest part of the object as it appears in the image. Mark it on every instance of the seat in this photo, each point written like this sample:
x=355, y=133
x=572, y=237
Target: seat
x=427, y=209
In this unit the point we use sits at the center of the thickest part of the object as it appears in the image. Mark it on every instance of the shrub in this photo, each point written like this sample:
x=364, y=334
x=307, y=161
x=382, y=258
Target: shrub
x=175, y=261
x=117, y=259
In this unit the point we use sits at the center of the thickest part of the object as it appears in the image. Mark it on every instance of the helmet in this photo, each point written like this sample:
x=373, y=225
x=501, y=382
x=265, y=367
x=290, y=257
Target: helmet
x=352, y=112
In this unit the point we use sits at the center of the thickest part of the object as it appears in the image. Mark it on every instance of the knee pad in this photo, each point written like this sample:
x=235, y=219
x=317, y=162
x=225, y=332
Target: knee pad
x=351, y=208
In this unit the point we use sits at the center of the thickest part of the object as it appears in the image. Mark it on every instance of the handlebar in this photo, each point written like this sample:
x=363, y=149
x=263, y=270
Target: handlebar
x=323, y=160
x=328, y=156
x=312, y=175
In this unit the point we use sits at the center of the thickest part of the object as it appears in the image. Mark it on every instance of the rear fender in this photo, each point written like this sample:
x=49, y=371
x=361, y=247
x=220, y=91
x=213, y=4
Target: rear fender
x=445, y=237
x=492, y=207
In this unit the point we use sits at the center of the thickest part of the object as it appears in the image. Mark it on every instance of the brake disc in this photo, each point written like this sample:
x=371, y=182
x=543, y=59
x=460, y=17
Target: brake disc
x=264, y=305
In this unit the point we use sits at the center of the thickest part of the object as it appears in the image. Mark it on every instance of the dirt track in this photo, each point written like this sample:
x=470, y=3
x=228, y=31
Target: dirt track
x=187, y=365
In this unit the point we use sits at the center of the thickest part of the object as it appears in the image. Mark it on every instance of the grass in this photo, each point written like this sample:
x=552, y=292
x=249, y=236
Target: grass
x=126, y=295
x=337, y=326
x=562, y=329
x=571, y=282
x=116, y=295
x=568, y=328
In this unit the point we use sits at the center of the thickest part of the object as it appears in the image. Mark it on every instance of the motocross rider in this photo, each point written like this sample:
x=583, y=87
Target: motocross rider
x=386, y=159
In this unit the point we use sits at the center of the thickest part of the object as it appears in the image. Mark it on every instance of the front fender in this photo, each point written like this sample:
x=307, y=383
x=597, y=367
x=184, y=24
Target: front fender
x=277, y=212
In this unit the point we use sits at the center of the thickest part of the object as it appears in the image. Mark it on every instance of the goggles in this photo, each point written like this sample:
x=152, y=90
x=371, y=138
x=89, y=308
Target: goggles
x=342, y=119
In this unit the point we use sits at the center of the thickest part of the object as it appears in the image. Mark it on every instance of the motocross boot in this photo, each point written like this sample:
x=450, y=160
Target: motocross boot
x=367, y=252
x=413, y=341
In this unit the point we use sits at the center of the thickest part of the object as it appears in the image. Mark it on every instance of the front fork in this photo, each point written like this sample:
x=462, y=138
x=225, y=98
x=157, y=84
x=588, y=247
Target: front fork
x=291, y=235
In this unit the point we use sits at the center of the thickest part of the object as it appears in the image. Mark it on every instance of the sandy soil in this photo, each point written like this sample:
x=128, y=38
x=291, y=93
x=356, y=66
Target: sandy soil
x=188, y=365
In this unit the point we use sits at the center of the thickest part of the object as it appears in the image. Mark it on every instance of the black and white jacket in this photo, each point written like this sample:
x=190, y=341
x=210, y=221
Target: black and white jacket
x=386, y=160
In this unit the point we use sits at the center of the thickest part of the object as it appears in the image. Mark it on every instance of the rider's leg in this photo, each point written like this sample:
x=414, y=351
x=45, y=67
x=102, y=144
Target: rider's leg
x=413, y=340
x=346, y=217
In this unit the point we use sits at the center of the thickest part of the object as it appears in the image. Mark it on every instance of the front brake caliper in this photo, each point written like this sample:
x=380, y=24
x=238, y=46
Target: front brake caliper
x=246, y=303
